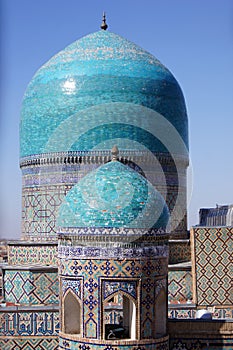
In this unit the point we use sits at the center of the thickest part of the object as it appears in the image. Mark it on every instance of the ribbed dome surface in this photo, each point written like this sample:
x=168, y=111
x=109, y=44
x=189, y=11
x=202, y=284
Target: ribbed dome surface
x=113, y=196
x=101, y=68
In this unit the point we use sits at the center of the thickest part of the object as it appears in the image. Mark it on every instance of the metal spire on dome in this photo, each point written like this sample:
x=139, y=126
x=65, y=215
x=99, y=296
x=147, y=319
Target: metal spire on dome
x=115, y=153
x=104, y=25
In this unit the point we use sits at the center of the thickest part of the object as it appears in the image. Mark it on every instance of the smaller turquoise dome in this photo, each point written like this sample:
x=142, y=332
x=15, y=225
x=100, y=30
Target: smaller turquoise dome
x=113, y=196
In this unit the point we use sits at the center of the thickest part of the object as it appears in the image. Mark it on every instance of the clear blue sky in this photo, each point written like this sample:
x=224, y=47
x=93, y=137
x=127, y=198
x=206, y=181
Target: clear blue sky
x=193, y=38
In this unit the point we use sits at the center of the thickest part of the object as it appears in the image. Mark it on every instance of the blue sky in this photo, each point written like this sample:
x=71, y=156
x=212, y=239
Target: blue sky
x=193, y=38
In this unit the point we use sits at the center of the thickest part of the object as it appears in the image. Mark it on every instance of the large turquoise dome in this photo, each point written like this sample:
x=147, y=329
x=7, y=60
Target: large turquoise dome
x=100, y=68
x=113, y=196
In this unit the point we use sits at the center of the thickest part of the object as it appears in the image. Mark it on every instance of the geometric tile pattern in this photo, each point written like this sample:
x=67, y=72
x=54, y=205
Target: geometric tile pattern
x=149, y=292
x=147, y=301
x=102, y=273
x=39, y=211
x=179, y=286
x=31, y=287
x=45, y=187
x=179, y=251
x=29, y=323
x=17, y=286
x=48, y=343
x=72, y=284
x=19, y=254
x=212, y=265
x=128, y=268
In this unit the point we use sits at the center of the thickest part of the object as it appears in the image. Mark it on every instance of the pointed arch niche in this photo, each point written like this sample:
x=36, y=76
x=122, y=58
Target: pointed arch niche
x=119, y=317
x=71, y=314
x=161, y=314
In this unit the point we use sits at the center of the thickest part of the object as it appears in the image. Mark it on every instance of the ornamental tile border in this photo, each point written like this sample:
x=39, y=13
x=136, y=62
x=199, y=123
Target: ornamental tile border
x=67, y=343
x=29, y=343
x=69, y=252
x=32, y=254
x=29, y=323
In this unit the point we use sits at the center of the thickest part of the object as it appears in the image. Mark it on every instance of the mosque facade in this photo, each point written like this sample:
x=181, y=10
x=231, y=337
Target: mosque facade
x=104, y=255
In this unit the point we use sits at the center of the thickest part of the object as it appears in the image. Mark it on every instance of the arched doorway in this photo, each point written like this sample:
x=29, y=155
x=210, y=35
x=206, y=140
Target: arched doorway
x=72, y=314
x=119, y=317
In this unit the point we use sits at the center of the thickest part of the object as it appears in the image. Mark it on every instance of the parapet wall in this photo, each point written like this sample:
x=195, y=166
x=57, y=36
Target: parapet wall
x=200, y=334
x=211, y=249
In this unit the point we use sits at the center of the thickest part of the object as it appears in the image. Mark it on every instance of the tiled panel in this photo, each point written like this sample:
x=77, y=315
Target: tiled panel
x=127, y=267
x=179, y=251
x=17, y=286
x=186, y=313
x=180, y=286
x=32, y=254
x=30, y=287
x=29, y=343
x=39, y=211
x=46, y=288
x=29, y=323
x=212, y=265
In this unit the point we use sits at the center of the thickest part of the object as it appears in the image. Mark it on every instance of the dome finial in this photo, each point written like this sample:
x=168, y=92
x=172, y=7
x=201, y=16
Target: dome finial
x=115, y=153
x=104, y=25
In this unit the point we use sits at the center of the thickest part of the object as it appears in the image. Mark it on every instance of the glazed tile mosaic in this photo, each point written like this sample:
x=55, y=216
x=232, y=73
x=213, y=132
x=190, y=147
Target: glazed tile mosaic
x=110, y=287
x=180, y=286
x=69, y=252
x=84, y=74
x=179, y=251
x=190, y=313
x=68, y=344
x=182, y=313
x=113, y=196
x=48, y=177
x=88, y=277
x=110, y=218
x=84, y=98
x=29, y=343
x=29, y=323
x=74, y=285
x=212, y=265
x=31, y=287
x=130, y=268
x=33, y=254
x=39, y=211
